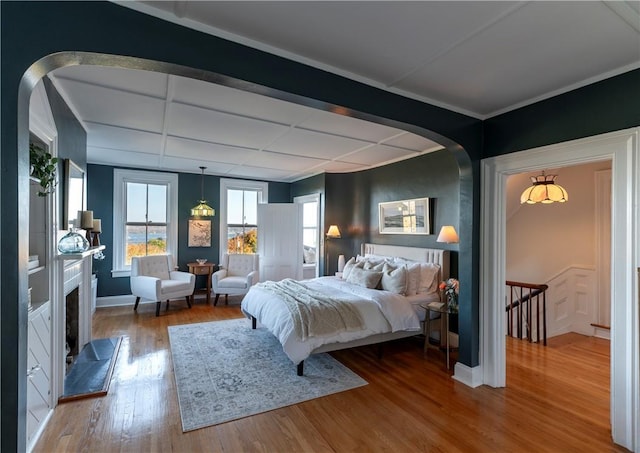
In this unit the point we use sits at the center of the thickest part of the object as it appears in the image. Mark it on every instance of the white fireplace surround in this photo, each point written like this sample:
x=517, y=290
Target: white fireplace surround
x=74, y=271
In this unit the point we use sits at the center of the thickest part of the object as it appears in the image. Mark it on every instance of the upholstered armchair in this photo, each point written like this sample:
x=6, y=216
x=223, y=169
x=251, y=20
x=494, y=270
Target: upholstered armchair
x=153, y=278
x=236, y=275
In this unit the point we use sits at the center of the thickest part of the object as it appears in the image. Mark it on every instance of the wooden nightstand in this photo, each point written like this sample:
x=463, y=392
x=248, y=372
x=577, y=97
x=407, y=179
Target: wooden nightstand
x=202, y=269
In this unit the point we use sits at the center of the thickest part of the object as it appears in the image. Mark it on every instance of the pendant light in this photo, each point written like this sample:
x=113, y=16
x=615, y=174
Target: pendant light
x=544, y=190
x=203, y=209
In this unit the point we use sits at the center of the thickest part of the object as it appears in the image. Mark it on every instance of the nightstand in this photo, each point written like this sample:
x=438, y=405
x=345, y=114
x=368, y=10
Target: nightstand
x=443, y=310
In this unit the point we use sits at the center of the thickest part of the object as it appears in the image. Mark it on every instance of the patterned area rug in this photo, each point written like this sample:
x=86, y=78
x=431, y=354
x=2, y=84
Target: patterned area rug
x=225, y=370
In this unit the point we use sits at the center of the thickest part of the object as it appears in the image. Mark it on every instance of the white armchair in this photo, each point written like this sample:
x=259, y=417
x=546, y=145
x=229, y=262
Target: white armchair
x=236, y=275
x=153, y=278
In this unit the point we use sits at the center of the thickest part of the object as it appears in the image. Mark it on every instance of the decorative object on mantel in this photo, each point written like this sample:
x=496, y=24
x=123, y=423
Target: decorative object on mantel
x=95, y=232
x=73, y=242
x=544, y=190
x=43, y=167
x=450, y=289
x=203, y=209
x=448, y=234
x=86, y=223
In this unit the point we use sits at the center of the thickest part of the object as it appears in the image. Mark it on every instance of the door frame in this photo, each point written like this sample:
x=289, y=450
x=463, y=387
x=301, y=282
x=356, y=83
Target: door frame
x=621, y=148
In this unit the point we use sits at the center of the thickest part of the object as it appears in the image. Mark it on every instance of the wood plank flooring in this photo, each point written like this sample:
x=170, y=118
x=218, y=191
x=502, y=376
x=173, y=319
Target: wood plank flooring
x=556, y=400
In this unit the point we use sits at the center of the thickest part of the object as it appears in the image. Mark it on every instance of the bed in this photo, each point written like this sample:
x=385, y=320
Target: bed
x=372, y=315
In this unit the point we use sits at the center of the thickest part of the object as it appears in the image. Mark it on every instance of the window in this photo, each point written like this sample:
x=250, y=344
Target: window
x=239, y=214
x=145, y=216
x=310, y=233
x=310, y=226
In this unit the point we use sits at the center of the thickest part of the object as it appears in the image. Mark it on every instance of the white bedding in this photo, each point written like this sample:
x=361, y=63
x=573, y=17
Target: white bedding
x=382, y=312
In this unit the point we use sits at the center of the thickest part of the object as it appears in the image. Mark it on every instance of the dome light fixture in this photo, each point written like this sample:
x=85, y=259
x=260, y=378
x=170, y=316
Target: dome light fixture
x=544, y=190
x=203, y=209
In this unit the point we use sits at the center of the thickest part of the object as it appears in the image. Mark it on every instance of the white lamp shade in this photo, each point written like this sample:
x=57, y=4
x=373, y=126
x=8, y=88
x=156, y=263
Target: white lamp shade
x=448, y=234
x=333, y=232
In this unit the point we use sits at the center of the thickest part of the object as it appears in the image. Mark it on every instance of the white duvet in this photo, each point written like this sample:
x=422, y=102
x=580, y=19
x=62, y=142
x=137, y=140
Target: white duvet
x=381, y=311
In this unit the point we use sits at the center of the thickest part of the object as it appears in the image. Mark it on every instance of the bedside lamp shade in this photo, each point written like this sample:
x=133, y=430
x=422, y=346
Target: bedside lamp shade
x=448, y=234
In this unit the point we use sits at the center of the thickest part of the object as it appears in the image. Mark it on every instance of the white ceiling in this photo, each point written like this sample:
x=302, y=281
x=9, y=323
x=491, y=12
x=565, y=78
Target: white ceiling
x=478, y=58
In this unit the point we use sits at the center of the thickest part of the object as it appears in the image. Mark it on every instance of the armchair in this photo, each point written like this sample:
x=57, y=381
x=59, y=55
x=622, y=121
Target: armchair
x=152, y=278
x=236, y=275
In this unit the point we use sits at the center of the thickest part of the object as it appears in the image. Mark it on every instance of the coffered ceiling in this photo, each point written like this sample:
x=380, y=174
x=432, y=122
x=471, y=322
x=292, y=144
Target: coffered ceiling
x=478, y=58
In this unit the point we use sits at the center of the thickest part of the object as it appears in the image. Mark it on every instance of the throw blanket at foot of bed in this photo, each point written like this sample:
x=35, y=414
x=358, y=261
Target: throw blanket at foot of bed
x=314, y=313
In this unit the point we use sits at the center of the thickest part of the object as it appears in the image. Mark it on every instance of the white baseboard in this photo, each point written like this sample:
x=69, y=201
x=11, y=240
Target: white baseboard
x=116, y=301
x=467, y=375
x=602, y=333
x=39, y=431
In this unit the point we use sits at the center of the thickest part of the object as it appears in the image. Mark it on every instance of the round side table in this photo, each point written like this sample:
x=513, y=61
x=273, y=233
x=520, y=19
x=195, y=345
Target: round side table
x=202, y=269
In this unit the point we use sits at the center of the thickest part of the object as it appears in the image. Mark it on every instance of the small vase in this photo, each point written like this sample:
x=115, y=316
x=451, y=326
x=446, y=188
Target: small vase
x=73, y=242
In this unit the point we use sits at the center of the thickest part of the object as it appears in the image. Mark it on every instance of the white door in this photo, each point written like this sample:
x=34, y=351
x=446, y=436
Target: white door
x=280, y=241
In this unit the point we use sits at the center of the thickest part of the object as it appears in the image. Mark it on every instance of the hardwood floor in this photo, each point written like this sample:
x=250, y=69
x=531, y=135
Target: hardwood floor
x=556, y=400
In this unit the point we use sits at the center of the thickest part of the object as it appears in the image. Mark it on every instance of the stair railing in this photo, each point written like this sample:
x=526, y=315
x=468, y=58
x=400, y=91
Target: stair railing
x=523, y=308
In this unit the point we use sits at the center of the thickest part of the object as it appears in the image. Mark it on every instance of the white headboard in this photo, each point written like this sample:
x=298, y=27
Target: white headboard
x=436, y=256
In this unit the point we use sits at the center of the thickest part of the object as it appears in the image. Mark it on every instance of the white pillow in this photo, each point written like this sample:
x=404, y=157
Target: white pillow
x=413, y=277
x=372, y=265
x=348, y=267
x=428, y=278
x=366, y=278
x=394, y=279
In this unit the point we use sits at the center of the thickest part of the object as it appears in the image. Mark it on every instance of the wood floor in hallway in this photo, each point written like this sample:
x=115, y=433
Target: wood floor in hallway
x=556, y=400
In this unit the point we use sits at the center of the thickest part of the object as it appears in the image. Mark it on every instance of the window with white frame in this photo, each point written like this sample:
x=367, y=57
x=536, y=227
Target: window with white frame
x=145, y=216
x=239, y=214
x=310, y=226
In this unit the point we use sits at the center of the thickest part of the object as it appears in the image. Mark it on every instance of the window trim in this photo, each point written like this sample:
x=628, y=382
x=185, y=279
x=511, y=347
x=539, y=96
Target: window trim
x=120, y=178
x=237, y=184
x=313, y=198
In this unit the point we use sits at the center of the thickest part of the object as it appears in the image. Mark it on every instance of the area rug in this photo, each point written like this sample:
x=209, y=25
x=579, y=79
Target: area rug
x=225, y=370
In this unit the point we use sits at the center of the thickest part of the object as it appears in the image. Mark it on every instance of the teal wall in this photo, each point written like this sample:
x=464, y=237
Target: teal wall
x=350, y=200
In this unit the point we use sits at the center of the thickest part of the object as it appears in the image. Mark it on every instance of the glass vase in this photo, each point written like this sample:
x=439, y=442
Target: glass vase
x=73, y=242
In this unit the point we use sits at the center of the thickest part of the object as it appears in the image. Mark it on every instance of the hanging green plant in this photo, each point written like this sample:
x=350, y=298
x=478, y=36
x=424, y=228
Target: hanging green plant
x=43, y=168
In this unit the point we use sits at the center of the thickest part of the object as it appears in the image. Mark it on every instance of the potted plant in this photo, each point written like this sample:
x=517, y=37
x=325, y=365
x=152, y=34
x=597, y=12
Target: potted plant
x=43, y=168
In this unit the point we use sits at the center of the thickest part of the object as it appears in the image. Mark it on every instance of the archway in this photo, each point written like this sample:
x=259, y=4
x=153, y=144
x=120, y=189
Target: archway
x=17, y=194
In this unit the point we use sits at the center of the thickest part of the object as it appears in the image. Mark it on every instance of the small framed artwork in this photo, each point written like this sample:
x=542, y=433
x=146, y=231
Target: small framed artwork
x=405, y=216
x=199, y=233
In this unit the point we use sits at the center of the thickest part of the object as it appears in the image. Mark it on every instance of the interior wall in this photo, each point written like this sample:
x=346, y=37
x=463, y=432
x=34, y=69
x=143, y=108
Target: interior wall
x=544, y=239
x=352, y=202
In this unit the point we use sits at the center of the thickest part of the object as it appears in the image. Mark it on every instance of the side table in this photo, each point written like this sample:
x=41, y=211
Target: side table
x=445, y=312
x=202, y=269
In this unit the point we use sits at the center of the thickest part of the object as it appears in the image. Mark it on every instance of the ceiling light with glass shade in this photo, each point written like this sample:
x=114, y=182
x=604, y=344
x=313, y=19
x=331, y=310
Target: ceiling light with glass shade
x=203, y=209
x=544, y=190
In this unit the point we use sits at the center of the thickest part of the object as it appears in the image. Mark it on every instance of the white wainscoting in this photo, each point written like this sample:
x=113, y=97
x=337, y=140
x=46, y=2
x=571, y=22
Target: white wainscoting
x=572, y=303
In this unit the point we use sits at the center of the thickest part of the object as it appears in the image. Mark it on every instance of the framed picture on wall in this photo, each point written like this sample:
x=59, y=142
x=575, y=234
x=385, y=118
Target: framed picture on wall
x=199, y=233
x=405, y=216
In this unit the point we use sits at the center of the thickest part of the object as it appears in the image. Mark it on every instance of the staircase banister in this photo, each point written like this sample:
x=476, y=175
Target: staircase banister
x=528, y=285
